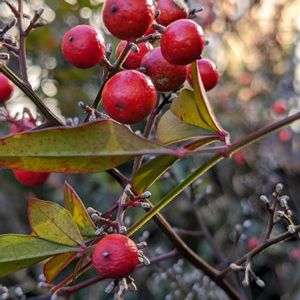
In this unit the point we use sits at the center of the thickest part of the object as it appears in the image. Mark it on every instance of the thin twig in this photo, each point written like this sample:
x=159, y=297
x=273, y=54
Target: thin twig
x=22, y=43
x=68, y=291
x=121, y=203
x=119, y=177
x=280, y=238
x=47, y=113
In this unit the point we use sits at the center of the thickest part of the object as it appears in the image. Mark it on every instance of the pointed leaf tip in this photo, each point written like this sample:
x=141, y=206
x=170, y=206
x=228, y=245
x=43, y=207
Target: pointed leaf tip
x=75, y=206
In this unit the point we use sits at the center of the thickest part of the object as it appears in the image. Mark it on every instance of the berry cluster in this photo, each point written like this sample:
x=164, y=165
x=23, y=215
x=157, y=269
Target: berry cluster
x=130, y=90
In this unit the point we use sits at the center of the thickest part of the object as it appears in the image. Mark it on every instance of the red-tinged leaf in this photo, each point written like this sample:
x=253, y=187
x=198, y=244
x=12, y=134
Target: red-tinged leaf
x=56, y=264
x=171, y=130
x=53, y=222
x=92, y=147
x=20, y=251
x=194, y=108
x=76, y=207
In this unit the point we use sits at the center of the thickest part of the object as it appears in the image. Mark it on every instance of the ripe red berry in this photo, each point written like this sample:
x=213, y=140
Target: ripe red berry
x=279, y=107
x=165, y=76
x=151, y=30
x=83, y=46
x=284, y=135
x=239, y=158
x=6, y=88
x=130, y=19
x=30, y=178
x=295, y=254
x=253, y=243
x=129, y=96
x=208, y=72
x=134, y=59
x=182, y=42
x=115, y=256
x=170, y=11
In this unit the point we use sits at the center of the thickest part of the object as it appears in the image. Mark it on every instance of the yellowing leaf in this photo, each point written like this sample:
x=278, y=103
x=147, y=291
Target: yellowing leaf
x=20, y=251
x=152, y=170
x=53, y=222
x=194, y=108
x=171, y=129
x=75, y=206
x=92, y=147
x=56, y=264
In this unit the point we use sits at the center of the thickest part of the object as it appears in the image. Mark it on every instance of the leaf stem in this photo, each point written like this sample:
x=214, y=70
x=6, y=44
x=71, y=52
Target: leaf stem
x=233, y=148
x=279, y=238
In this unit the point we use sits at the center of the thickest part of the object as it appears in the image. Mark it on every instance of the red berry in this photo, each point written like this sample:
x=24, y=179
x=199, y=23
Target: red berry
x=151, y=30
x=295, y=254
x=130, y=19
x=6, y=88
x=133, y=60
x=115, y=256
x=83, y=46
x=279, y=107
x=253, y=243
x=208, y=72
x=182, y=42
x=284, y=135
x=129, y=96
x=30, y=178
x=165, y=76
x=170, y=11
x=239, y=158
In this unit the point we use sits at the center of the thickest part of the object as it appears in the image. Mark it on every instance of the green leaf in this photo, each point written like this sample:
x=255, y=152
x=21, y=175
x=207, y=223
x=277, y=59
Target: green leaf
x=171, y=129
x=194, y=108
x=76, y=207
x=151, y=171
x=20, y=251
x=92, y=147
x=173, y=193
x=50, y=221
x=56, y=264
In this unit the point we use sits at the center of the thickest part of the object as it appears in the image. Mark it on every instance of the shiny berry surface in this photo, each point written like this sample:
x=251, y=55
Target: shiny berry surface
x=133, y=61
x=31, y=179
x=182, y=42
x=115, y=256
x=208, y=72
x=129, y=96
x=6, y=88
x=130, y=19
x=170, y=11
x=83, y=46
x=165, y=76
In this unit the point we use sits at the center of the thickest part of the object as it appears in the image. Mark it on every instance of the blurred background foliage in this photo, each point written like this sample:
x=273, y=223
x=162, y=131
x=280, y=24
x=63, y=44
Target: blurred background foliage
x=256, y=46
